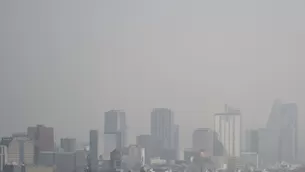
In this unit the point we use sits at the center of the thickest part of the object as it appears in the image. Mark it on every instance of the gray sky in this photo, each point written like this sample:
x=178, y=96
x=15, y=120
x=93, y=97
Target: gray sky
x=64, y=62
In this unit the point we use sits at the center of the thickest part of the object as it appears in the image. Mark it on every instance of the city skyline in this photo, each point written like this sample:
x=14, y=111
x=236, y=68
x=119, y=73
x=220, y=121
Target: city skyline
x=187, y=57
x=155, y=71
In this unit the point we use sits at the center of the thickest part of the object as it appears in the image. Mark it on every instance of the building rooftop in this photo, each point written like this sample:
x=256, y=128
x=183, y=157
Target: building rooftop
x=6, y=141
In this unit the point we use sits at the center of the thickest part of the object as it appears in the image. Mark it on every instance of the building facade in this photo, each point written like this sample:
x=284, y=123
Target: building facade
x=115, y=131
x=152, y=147
x=282, y=131
x=68, y=144
x=43, y=138
x=203, y=139
x=251, y=141
x=228, y=129
x=162, y=126
x=20, y=150
x=93, y=152
x=3, y=156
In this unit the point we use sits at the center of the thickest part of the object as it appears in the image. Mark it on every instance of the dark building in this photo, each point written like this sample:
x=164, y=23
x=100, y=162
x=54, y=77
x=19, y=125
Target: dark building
x=203, y=139
x=93, y=152
x=152, y=146
x=43, y=138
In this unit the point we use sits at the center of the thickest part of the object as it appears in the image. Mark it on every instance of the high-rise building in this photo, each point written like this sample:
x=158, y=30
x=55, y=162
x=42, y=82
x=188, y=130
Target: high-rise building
x=227, y=126
x=162, y=126
x=282, y=131
x=93, y=153
x=251, y=141
x=43, y=138
x=3, y=156
x=20, y=150
x=203, y=139
x=115, y=131
x=68, y=144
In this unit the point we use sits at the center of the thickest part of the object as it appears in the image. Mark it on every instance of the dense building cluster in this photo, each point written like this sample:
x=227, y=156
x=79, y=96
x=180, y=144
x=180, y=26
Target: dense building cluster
x=222, y=148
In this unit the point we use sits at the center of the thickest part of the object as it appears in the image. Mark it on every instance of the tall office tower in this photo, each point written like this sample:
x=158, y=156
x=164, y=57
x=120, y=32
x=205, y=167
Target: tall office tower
x=115, y=131
x=93, y=150
x=68, y=144
x=43, y=138
x=162, y=126
x=227, y=125
x=282, y=123
x=203, y=139
x=251, y=141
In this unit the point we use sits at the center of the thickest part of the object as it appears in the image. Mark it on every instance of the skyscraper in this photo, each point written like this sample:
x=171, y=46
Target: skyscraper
x=203, y=139
x=162, y=126
x=93, y=152
x=228, y=128
x=115, y=132
x=283, y=128
x=43, y=138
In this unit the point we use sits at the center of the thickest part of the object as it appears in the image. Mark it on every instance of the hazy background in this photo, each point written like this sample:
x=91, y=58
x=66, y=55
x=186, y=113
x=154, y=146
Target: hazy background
x=63, y=63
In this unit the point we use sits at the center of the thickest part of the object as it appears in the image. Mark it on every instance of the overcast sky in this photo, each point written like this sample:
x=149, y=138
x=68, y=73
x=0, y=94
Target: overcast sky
x=63, y=63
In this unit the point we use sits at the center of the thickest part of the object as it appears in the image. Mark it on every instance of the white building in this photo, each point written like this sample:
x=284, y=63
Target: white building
x=228, y=128
x=3, y=156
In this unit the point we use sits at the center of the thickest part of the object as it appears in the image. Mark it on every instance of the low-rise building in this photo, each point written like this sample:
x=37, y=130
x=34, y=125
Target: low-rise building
x=39, y=169
x=65, y=162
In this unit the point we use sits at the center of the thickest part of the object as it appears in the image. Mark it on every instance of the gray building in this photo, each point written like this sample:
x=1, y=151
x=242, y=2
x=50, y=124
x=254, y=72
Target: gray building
x=268, y=147
x=68, y=144
x=80, y=160
x=65, y=162
x=115, y=131
x=3, y=156
x=46, y=159
x=93, y=152
x=152, y=146
x=251, y=141
x=203, y=139
x=282, y=131
x=162, y=126
x=177, y=140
